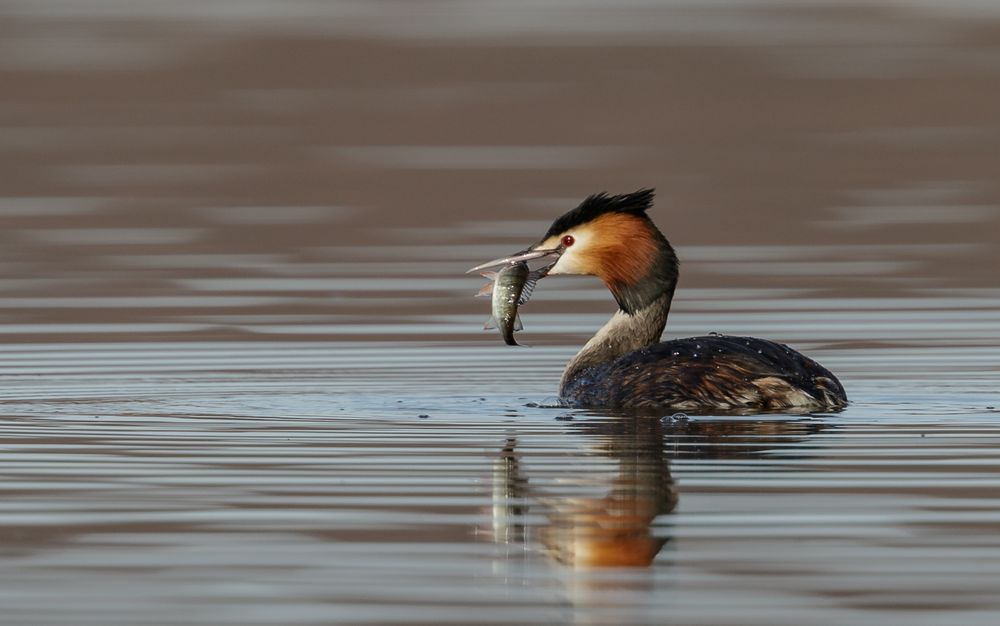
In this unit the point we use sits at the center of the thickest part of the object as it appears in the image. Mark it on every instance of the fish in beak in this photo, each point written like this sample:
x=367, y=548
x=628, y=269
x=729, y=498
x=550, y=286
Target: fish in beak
x=511, y=286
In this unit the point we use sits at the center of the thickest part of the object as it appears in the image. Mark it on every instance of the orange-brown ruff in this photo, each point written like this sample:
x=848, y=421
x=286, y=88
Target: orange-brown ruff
x=625, y=366
x=624, y=249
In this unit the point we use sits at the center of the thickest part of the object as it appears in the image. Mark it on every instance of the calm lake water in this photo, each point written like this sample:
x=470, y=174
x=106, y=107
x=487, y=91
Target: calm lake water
x=243, y=376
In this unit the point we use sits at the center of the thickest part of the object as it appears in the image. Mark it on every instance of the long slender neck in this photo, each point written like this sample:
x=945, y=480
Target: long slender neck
x=622, y=334
x=643, y=294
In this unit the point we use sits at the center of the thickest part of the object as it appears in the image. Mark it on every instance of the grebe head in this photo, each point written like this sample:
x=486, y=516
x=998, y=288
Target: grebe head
x=610, y=237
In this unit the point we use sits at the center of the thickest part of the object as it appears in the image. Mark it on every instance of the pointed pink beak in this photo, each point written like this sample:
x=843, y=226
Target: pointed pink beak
x=524, y=255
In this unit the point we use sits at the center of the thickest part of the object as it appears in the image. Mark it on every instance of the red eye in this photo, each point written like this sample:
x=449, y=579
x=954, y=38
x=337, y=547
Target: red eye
x=568, y=240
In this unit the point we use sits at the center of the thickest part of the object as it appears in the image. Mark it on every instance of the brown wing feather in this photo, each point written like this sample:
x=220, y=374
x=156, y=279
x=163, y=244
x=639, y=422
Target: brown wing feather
x=703, y=374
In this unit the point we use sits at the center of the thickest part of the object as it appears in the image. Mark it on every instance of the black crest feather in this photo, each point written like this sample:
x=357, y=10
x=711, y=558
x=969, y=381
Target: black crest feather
x=635, y=203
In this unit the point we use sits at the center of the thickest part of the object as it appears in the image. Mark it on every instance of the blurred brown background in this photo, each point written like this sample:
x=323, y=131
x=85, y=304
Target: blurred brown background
x=224, y=168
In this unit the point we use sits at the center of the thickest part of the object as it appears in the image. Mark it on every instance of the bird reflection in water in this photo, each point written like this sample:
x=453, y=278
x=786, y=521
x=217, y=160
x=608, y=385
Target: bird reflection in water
x=618, y=528
x=615, y=529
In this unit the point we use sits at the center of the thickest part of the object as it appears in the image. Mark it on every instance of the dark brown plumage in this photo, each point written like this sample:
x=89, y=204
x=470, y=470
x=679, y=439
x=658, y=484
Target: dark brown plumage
x=714, y=373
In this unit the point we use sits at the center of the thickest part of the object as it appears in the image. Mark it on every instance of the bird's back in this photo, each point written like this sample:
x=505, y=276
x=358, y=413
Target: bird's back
x=705, y=374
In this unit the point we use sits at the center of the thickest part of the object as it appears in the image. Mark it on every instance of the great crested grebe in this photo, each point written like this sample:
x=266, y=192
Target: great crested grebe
x=625, y=365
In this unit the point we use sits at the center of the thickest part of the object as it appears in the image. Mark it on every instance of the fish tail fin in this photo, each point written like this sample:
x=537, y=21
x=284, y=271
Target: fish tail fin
x=517, y=322
x=513, y=342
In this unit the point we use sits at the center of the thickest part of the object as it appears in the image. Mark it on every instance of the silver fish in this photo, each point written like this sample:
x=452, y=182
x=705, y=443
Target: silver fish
x=511, y=287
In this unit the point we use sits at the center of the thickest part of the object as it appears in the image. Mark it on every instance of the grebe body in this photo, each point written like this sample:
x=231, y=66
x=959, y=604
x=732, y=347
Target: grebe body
x=699, y=374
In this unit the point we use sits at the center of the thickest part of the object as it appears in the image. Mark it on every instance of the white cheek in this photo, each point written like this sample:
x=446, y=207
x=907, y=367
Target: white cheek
x=571, y=260
x=567, y=264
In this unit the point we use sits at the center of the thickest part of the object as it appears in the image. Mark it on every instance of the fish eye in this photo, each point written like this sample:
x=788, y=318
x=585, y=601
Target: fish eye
x=568, y=240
